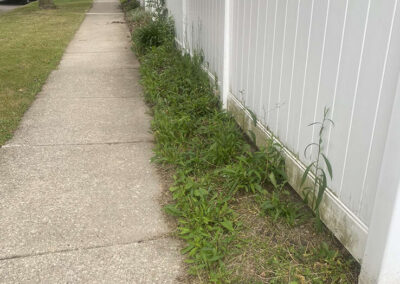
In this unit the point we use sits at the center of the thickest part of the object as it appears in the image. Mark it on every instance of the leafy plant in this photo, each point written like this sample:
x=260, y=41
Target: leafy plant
x=248, y=174
x=275, y=163
x=290, y=211
x=127, y=5
x=158, y=8
x=325, y=252
x=152, y=28
x=207, y=223
x=317, y=167
x=156, y=33
x=199, y=140
x=213, y=164
x=138, y=17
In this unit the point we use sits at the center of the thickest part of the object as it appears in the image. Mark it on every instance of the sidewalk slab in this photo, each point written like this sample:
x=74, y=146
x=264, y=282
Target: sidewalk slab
x=57, y=198
x=84, y=120
x=106, y=7
x=78, y=194
x=112, y=28
x=108, y=83
x=148, y=262
x=84, y=46
x=99, y=61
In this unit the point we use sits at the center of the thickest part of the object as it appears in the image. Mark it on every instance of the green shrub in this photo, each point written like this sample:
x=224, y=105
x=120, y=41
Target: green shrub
x=128, y=5
x=248, y=174
x=208, y=150
x=138, y=17
x=213, y=163
x=155, y=33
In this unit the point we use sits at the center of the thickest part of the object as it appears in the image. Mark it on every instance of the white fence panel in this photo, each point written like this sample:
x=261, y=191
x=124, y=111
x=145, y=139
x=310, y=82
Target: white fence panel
x=291, y=58
x=206, y=32
x=366, y=104
x=175, y=9
x=200, y=28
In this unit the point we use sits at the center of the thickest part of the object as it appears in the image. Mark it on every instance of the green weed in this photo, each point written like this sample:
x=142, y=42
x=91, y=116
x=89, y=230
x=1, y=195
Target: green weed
x=199, y=140
x=214, y=165
x=153, y=34
x=137, y=17
x=247, y=174
x=152, y=29
x=127, y=5
x=319, y=184
x=158, y=8
x=290, y=211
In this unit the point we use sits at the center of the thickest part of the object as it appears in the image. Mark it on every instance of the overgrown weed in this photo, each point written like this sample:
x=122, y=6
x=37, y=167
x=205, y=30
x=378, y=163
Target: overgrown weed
x=137, y=18
x=128, y=5
x=155, y=29
x=215, y=168
x=320, y=166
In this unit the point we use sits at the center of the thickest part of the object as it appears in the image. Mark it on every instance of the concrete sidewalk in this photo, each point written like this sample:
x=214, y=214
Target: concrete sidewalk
x=78, y=195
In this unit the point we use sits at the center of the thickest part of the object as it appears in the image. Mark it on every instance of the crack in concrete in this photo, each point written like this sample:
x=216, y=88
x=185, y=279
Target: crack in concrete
x=104, y=13
x=75, y=98
x=88, y=248
x=78, y=144
x=104, y=51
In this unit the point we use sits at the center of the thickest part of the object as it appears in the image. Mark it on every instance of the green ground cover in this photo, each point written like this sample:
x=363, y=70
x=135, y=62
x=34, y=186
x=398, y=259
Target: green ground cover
x=240, y=221
x=32, y=42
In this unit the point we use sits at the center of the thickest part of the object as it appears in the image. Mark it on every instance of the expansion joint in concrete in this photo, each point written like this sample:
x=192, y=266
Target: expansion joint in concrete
x=79, y=144
x=88, y=248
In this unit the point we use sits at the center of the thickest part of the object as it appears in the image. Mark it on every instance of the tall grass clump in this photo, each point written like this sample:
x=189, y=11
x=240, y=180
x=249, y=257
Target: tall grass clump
x=154, y=29
x=137, y=17
x=128, y=5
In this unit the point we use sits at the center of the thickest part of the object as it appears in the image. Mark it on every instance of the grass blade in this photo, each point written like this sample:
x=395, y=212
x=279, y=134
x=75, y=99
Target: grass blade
x=305, y=174
x=328, y=165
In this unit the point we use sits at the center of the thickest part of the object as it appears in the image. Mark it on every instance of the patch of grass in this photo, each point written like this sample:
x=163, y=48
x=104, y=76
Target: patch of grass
x=273, y=251
x=32, y=42
x=137, y=18
x=237, y=216
x=128, y=5
x=151, y=33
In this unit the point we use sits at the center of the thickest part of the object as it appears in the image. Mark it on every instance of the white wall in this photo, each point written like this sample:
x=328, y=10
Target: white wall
x=175, y=9
x=291, y=58
x=201, y=28
x=381, y=262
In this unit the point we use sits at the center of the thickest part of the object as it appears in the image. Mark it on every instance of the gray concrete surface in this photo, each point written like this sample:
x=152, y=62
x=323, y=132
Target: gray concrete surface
x=6, y=6
x=78, y=194
x=147, y=262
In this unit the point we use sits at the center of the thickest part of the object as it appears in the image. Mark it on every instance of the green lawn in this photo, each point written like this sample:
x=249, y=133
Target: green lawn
x=32, y=42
